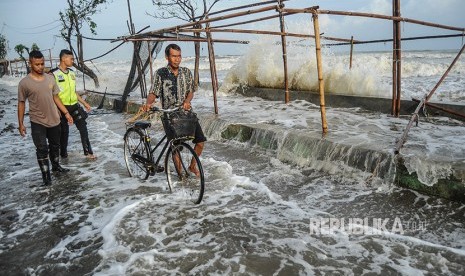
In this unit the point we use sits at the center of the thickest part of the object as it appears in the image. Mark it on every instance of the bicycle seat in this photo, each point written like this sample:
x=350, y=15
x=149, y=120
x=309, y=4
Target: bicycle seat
x=142, y=124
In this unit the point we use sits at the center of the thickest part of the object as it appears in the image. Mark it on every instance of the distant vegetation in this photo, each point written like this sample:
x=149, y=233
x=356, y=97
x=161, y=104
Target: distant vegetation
x=3, y=46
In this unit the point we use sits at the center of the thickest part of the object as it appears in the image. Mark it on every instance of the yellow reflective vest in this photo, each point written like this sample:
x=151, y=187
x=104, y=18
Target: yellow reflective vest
x=67, y=84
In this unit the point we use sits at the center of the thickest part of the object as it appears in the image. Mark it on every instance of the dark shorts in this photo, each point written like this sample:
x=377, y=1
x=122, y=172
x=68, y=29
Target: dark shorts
x=199, y=137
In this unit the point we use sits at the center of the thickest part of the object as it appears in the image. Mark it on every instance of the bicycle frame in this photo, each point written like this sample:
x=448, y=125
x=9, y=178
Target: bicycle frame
x=162, y=153
x=147, y=139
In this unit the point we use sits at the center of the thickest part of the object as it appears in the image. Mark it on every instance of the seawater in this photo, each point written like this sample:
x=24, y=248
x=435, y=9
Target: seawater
x=262, y=66
x=260, y=216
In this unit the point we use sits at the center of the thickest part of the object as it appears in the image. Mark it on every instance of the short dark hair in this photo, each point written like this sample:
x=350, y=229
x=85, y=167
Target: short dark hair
x=171, y=46
x=35, y=54
x=65, y=52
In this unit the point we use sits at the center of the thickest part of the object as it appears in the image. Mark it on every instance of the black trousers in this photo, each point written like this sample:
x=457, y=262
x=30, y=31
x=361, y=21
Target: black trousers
x=40, y=135
x=81, y=125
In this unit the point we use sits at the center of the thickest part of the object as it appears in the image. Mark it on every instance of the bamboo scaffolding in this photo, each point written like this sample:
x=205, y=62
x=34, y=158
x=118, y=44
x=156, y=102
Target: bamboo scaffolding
x=173, y=34
x=321, y=84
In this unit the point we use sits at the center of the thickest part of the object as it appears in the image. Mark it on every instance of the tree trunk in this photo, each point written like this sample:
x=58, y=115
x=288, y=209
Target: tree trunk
x=88, y=72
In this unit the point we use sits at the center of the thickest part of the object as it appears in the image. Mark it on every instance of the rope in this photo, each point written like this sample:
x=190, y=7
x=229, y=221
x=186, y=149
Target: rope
x=137, y=116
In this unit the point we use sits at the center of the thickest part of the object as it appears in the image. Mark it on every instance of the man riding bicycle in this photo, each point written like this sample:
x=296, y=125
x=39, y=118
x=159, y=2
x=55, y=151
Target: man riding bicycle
x=175, y=86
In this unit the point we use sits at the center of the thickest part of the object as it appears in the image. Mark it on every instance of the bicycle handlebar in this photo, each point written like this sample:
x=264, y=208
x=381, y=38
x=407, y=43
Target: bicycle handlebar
x=168, y=110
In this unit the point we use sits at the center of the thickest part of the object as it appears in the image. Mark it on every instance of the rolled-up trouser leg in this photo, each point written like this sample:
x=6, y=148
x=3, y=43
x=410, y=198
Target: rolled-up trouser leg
x=82, y=127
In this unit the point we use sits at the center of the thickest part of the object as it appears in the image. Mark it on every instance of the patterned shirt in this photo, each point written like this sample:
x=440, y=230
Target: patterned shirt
x=170, y=88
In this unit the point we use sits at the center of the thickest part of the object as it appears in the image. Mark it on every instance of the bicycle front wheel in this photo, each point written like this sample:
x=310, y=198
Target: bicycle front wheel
x=184, y=172
x=136, y=153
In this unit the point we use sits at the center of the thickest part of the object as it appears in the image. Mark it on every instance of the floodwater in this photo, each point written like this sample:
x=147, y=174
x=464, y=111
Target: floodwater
x=259, y=216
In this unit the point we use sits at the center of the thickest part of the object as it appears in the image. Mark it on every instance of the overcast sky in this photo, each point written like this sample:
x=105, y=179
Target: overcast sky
x=36, y=21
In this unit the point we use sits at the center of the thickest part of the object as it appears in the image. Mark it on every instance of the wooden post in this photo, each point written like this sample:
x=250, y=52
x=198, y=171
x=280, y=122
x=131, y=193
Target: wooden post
x=283, y=42
x=351, y=50
x=211, y=58
x=394, y=62
x=321, y=83
x=399, y=59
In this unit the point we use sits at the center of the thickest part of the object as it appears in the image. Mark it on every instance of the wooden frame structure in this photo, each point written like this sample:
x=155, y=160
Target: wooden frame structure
x=171, y=34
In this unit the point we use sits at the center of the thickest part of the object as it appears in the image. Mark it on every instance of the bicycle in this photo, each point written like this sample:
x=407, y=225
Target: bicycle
x=180, y=159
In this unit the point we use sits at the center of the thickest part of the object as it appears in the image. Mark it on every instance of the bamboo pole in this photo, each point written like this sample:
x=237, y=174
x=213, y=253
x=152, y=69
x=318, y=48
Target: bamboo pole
x=211, y=58
x=321, y=83
x=351, y=50
x=378, y=16
x=265, y=33
x=240, y=7
x=247, y=21
x=445, y=74
x=260, y=19
x=247, y=32
x=403, y=39
x=50, y=56
x=399, y=60
x=394, y=62
x=414, y=117
x=435, y=106
x=173, y=29
x=150, y=62
x=425, y=101
x=187, y=39
x=284, y=49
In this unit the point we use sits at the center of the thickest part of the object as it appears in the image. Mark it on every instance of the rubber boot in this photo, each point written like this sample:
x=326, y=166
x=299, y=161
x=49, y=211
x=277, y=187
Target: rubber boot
x=56, y=165
x=45, y=169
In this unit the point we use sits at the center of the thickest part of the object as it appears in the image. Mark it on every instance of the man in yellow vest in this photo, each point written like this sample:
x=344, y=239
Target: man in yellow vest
x=66, y=80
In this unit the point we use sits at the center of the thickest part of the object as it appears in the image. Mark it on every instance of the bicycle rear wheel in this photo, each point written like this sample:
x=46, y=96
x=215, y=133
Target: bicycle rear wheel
x=136, y=153
x=181, y=163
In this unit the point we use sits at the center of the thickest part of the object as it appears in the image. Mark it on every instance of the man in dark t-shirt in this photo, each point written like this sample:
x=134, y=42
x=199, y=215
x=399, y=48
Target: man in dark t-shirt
x=41, y=91
x=174, y=85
